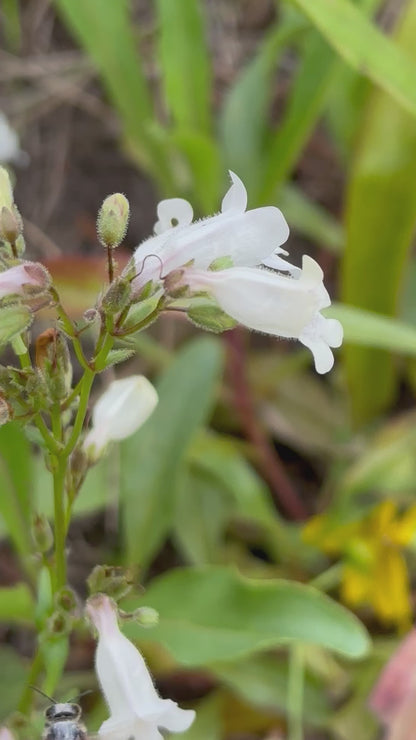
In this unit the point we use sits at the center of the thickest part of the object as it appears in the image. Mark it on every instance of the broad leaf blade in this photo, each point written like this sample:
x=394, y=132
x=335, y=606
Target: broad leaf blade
x=210, y=614
x=151, y=459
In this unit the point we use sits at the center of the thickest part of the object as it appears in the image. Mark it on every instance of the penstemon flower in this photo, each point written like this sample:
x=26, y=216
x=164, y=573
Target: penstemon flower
x=275, y=304
x=137, y=711
x=123, y=407
x=246, y=237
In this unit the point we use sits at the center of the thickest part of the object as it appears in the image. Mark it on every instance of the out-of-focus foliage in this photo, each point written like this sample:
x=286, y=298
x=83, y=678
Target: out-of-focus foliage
x=194, y=477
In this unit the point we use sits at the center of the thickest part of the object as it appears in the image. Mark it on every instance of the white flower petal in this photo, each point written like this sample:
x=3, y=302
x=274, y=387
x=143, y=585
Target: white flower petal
x=136, y=709
x=176, y=210
x=9, y=142
x=275, y=304
x=275, y=262
x=123, y=407
x=235, y=199
x=247, y=238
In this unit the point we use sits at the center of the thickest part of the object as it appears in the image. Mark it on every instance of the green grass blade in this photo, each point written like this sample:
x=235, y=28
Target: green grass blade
x=371, y=330
x=244, y=118
x=380, y=218
x=106, y=32
x=364, y=47
x=184, y=63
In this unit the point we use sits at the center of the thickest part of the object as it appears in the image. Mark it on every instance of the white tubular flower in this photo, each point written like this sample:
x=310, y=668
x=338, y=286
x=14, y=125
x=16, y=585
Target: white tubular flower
x=122, y=409
x=136, y=709
x=246, y=237
x=276, y=304
x=24, y=279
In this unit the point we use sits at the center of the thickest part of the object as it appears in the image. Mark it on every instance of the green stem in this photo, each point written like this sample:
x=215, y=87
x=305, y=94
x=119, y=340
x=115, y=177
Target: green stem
x=59, y=471
x=86, y=385
x=295, y=693
x=25, y=702
x=329, y=578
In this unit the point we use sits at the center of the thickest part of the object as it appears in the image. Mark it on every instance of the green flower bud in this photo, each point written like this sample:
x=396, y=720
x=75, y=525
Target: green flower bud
x=52, y=358
x=113, y=219
x=146, y=616
x=117, y=296
x=110, y=580
x=65, y=600
x=10, y=224
x=42, y=533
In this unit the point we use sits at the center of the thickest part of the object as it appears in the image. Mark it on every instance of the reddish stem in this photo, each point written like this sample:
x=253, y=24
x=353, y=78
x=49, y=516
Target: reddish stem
x=269, y=461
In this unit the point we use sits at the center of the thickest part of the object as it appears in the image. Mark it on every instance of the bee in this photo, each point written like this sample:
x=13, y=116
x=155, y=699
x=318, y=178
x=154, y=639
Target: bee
x=63, y=722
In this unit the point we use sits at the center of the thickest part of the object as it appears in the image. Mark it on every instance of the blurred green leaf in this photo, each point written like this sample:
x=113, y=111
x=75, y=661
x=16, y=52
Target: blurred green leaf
x=10, y=12
x=380, y=220
x=207, y=724
x=16, y=604
x=201, y=514
x=387, y=464
x=262, y=680
x=364, y=47
x=151, y=458
x=107, y=34
x=370, y=329
x=311, y=220
x=184, y=63
x=16, y=477
x=306, y=98
x=206, y=170
x=12, y=680
x=210, y=614
x=244, y=118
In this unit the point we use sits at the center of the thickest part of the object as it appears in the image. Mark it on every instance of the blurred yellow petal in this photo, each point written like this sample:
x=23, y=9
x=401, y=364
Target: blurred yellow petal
x=327, y=536
x=391, y=589
x=404, y=528
x=355, y=586
x=382, y=517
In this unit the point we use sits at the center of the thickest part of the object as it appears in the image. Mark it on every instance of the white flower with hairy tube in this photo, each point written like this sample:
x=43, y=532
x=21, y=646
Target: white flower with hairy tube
x=124, y=406
x=275, y=304
x=246, y=237
x=136, y=709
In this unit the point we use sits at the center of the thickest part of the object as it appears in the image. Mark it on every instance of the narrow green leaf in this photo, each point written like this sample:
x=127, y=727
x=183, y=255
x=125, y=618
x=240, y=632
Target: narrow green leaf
x=308, y=93
x=244, y=117
x=184, y=63
x=211, y=614
x=151, y=459
x=364, y=47
x=106, y=32
x=12, y=681
x=16, y=604
x=372, y=330
x=380, y=219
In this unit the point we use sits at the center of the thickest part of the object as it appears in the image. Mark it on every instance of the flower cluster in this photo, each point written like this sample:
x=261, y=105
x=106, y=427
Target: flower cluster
x=235, y=258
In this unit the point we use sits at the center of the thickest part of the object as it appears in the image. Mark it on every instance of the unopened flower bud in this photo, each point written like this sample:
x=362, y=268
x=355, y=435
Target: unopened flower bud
x=52, y=358
x=42, y=533
x=113, y=581
x=60, y=623
x=10, y=224
x=122, y=409
x=65, y=600
x=146, y=616
x=117, y=296
x=113, y=219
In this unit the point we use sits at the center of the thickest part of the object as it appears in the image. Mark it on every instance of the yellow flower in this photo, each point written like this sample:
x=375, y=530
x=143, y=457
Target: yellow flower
x=374, y=568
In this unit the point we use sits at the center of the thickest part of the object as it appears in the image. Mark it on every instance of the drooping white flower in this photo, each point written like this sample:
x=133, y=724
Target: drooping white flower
x=247, y=237
x=275, y=304
x=136, y=709
x=123, y=407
